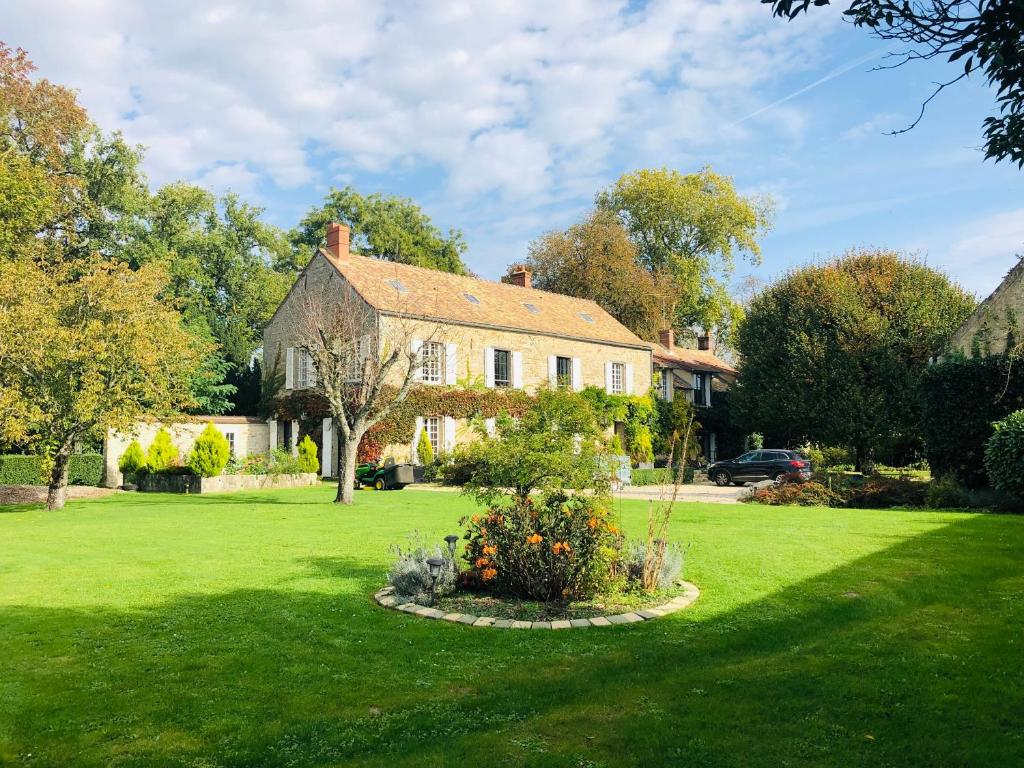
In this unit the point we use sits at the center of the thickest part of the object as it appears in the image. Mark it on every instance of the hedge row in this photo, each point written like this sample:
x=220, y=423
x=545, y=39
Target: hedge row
x=658, y=476
x=83, y=469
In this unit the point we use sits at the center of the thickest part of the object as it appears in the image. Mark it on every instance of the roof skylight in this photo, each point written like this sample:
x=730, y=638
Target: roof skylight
x=471, y=298
x=398, y=285
x=585, y=316
x=533, y=309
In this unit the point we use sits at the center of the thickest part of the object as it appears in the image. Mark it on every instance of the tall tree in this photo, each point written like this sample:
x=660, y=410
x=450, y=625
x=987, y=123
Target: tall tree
x=689, y=226
x=985, y=35
x=87, y=346
x=384, y=227
x=595, y=259
x=833, y=352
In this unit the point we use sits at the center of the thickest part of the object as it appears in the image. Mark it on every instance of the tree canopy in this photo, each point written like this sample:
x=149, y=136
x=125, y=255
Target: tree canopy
x=833, y=352
x=383, y=227
x=986, y=35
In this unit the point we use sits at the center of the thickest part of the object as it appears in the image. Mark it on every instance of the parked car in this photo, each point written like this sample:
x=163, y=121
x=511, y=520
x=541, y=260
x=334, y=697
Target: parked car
x=384, y=477
x=766, y=464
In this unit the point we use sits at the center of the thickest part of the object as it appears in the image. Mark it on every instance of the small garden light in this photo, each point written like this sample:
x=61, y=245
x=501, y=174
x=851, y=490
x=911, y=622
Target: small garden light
x=451, y=540
x=434, y=565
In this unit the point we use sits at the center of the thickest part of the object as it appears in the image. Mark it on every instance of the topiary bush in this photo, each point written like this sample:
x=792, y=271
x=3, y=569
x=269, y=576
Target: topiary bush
x=21, y=470
x=163, y=453
x=210, y=452
x=308, y=461
x=424, y=449
x=133, y=460
x=555, y=547
x=1004, y=454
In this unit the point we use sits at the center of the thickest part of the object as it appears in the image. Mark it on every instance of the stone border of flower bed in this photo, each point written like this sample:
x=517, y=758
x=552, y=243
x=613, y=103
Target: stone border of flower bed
x=386, y=598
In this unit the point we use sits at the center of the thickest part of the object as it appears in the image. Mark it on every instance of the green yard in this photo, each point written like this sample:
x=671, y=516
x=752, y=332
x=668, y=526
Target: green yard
x=238, y=630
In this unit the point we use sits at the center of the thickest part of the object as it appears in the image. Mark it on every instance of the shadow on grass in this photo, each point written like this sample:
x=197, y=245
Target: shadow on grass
x=910, y=656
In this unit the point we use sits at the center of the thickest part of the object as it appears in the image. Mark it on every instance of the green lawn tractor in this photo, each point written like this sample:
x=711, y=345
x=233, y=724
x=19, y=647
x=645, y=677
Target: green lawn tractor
x=384, y=477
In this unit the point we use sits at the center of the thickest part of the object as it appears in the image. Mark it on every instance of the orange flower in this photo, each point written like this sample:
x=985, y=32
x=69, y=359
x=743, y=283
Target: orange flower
x=490, y=550
x=613, y=529
x=488, y=574
x=475, y=518
x=560, y=547
x=481, y=562
x=534, y=539
x=592, y=522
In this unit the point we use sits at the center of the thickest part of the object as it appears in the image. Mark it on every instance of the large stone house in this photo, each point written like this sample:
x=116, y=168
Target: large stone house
x=468, y=330
x=697, y=373
x=994, y=327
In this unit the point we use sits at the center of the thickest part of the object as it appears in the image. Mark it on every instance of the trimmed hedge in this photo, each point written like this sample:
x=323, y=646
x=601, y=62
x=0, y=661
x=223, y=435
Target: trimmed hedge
x=83, y=469
x=658, y=476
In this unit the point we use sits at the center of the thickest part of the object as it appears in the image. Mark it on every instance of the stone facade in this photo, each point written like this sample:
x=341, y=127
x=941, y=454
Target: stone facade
x=996, y=320
x=246, y=435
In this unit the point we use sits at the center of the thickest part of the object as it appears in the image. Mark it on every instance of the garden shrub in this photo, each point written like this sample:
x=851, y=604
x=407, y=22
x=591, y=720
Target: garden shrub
x=880, y=492
x=210, y=452
x=132, y=461
x=162, y=453
x=634, y=554
x=810, y=494
x=659, y=476
x=458, y=466
x=553, y=547
x=307, y=458
x=947, y=493
x=410, y=575
x=1004, y=454
x=424, y=450
x=83, y=469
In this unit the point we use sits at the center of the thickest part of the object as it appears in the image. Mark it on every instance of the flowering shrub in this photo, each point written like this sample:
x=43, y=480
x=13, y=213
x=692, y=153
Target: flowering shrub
x=796, y=494
x=554, y=547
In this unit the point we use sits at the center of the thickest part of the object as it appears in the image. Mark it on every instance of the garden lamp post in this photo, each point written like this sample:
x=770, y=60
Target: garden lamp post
x=434, y=564
x=450, y=540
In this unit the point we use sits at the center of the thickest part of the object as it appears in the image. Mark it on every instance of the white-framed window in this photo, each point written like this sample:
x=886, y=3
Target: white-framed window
x=432, y=354
x=502, y=368
x=432, y=424
x=666, y=383
x=230, y=437
x=618, y=382
x=355, y=361
x=563, y=372
x=699, y=389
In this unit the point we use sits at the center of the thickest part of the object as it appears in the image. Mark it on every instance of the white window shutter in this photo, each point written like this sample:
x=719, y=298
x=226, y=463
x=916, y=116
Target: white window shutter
x=327, y=460
x=416, y=347
x=272, y=433
x=450, y=370
x=417, y=431
x=577, y=374
x=553, y=370
x=491, y=426
x=608, y=378
x=289, y=368
x=628, y=383
x=449, y=434
x=489, y=366
x=517, y=370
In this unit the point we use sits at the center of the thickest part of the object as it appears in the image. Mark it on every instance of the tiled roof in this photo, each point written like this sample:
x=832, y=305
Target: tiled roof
x=691, y=360
x=429, y=293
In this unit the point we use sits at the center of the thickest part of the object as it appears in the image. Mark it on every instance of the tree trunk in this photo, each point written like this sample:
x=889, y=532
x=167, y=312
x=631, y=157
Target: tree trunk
x=57, y=493
x=347, y=470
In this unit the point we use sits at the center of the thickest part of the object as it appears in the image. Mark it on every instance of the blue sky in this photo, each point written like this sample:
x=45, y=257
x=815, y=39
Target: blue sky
x=503, y=119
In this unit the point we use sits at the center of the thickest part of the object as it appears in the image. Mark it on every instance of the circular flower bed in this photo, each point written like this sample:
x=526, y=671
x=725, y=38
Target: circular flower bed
x=389, y=599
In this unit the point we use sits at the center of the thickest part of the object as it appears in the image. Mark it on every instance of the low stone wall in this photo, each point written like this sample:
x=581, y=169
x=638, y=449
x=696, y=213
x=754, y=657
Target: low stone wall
x=222, y=483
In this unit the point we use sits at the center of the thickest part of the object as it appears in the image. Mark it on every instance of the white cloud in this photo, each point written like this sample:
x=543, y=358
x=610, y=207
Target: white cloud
x=518, y=99
x=981, y=252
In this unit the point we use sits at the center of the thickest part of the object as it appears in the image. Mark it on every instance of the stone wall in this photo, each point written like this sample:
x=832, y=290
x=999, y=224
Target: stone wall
x=223, y=483
x=987, y=329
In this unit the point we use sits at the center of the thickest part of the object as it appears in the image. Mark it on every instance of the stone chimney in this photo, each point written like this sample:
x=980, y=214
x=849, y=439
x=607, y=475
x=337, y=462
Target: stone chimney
x=704, y=341
x=518, y=274
x=667, y=338
x=337, y=241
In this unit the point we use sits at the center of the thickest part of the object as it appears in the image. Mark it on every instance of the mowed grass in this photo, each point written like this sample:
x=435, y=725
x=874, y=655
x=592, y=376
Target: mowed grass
x=238, y=630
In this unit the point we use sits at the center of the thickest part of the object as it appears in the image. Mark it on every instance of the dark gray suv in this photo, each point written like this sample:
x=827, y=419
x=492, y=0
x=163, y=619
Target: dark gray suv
x=766, y=464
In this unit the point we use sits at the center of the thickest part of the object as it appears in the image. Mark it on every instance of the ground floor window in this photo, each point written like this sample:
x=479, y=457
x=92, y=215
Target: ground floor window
x=563, y=372
x=432, y=424
x=502, y=368
x=230, y=437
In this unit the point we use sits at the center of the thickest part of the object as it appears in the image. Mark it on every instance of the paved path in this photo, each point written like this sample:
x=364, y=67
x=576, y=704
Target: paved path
x=709, y=493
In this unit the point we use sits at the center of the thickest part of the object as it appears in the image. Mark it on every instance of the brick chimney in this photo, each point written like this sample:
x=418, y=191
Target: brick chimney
x=704, y=341
x=337, y=241
x=518, y=274
x=667, y=338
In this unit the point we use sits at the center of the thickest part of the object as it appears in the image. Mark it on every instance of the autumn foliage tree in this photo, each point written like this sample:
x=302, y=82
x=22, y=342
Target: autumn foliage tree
x=833, y=352
x=87, y=347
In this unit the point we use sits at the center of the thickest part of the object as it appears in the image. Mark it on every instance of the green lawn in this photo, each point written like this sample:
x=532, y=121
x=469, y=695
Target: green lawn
x=238, y=630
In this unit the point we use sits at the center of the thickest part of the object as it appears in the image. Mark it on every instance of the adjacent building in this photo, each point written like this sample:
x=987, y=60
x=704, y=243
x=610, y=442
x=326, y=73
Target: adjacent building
x=994, y=327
